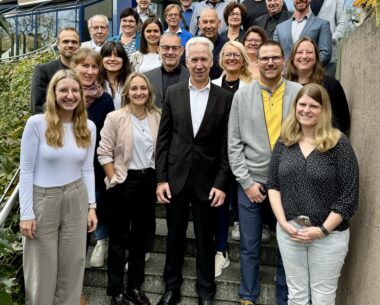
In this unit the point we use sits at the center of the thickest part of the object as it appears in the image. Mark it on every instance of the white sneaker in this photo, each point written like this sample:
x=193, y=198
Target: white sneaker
x=147, y=257
x=221, y=263
x=235, y=234
x=99, y=255
x=266, y=235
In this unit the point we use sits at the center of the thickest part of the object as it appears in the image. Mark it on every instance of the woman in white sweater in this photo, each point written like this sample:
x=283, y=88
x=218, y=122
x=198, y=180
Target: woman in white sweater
x=57, y=194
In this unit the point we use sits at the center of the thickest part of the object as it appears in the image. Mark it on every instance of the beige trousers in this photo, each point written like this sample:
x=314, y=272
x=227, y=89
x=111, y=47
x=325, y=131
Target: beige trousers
x=54, y=260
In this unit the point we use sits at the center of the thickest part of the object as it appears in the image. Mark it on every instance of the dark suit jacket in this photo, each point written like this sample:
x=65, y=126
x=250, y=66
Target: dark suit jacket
x=40, y=82
x=262, y=21
x=155, y=78
x=180, y=154
x=316, y=28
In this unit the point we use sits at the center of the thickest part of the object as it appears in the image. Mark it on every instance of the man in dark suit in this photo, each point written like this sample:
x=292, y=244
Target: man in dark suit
x=305, y=23
x=171, y=72
x=276, y=14
x=192, y=167
x=67, y=44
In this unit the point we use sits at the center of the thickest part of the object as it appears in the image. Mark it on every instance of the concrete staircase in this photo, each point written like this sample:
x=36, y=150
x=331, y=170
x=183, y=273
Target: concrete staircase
x=227, y=284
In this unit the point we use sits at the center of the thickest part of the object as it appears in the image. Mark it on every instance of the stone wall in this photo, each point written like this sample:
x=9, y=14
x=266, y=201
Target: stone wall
x=360, y=77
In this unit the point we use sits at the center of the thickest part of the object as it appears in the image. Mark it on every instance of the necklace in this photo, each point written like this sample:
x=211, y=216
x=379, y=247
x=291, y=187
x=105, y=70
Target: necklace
x=231, y=84
x=139, y=116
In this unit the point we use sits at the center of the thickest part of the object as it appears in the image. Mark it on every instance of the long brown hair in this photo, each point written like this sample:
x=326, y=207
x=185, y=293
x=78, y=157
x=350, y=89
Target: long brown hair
x=325, y=135
x=54, y=133
x=317, y=73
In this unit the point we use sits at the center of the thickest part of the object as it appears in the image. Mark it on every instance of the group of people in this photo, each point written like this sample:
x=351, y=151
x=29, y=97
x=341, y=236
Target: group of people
x=210, y=113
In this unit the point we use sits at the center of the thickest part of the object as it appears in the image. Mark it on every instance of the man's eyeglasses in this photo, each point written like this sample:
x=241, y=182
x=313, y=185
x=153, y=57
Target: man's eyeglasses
x=230, y=55
x=266, y=59
x=172, y=15
x=166, y=48
x=253, y=40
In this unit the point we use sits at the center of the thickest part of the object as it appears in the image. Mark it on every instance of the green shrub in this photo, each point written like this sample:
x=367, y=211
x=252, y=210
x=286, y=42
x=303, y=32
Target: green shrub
x=15, y=81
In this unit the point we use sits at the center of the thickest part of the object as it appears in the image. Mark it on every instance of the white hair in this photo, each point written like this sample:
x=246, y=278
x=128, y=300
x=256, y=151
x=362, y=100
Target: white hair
x=102, y=16
x=199, y=40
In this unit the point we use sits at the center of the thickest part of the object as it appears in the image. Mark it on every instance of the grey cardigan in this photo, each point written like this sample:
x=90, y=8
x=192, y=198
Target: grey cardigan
x=249, y=150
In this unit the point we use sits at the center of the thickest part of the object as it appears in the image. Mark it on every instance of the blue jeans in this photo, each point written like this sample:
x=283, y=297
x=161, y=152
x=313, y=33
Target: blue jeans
x=221, y=232
x=313, y=269
x=251, y=226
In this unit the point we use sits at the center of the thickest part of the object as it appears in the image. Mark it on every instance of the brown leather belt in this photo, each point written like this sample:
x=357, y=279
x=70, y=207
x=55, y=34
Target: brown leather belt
x=305, y=222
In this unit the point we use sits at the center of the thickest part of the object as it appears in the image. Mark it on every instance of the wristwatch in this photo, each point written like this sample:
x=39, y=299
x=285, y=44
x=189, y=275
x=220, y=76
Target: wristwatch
x=324, y=230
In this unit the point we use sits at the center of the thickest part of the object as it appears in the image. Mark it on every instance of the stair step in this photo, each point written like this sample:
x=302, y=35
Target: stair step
x=227, y=283
x=98, y=296
x=268, y=253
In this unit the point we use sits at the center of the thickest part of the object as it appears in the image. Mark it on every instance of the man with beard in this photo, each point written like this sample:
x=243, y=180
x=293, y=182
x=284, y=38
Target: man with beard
x=98, y=29
x=171, y=72
x=67, y=44
x=305, y=23
x=276, y=14
x=254, y=126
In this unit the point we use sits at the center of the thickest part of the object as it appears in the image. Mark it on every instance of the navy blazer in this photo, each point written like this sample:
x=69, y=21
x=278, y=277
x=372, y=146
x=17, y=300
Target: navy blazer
x=202, y=158
x=316, y=28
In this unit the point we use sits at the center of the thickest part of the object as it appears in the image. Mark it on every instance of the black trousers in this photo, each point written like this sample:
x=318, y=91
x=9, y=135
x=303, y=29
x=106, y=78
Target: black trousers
x=177, y=216
x=131, y=206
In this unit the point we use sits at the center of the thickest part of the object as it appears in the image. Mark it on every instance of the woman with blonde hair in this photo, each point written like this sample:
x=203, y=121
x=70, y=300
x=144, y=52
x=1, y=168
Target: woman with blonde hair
x=57, y=194
x=127, y=154
x=313, y=188
x=234, y=61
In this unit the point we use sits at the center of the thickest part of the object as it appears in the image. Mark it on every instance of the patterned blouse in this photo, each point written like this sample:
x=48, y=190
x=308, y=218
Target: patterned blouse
x=318, y=184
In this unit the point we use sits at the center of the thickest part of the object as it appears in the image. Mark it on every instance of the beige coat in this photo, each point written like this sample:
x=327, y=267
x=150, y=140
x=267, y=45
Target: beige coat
x=116, y=144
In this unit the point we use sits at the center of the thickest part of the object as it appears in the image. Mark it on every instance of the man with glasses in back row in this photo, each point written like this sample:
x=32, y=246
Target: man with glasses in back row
x=173, y=15
x=98, y=29
x=256, y=116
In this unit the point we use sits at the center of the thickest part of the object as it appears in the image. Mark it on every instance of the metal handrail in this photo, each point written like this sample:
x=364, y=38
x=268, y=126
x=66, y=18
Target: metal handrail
x=18, y=57
x=4, y=213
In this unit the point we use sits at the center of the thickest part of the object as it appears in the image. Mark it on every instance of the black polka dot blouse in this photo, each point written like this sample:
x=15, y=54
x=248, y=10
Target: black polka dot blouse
x=316, y=185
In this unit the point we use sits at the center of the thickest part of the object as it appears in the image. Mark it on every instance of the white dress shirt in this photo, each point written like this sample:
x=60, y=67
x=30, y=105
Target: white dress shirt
x=198, y=103
x=298, y=26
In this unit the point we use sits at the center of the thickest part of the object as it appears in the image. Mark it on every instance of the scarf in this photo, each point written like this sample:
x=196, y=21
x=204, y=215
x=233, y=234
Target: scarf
x=92, y=92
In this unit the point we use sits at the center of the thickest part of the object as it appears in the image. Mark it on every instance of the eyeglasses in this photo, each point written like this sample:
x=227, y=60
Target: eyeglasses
x=166, y=48
x=266, y=59
x=172, y=15
x=258, y=41
x=234, y=15
x=97, y=28
x=230, y=55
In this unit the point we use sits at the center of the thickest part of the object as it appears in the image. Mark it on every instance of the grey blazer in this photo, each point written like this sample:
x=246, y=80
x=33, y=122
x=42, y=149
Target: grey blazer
x=316, y=28
x=155, y=78
x=334, y=12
